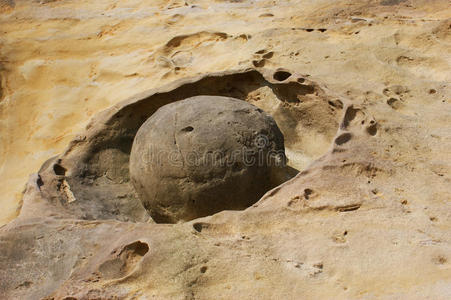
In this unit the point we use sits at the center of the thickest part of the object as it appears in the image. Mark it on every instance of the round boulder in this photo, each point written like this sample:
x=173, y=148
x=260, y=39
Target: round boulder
x=205, y=154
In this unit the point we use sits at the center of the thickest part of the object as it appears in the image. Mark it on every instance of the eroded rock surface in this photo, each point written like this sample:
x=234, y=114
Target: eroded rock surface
x=360, y=90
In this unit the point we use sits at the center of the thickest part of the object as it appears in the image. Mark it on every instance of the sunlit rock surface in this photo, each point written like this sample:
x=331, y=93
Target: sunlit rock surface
x=360, y=90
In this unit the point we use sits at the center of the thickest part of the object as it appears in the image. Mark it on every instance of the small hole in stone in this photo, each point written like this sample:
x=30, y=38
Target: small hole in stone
x=203, y=269
x=342, y=139
x=349, y=116
x=432, y=91
x=59, y=170
x=301, y=80
x=372, y=130
x=307, y=193
x=259, y=63
x=200, y=226
x=309, y=29
x=281, y=75
x=268, y=55
x=336, y=103
x=322, y=29
x=138, y=248
x=187, y=129
x=392, y=101
x=39, y=182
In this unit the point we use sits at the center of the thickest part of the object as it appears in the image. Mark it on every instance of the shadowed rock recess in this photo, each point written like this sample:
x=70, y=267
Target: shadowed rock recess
x=90, y=181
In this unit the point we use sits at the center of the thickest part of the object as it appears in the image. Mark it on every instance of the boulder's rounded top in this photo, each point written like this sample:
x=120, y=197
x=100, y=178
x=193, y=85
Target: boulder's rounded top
x=204, y=154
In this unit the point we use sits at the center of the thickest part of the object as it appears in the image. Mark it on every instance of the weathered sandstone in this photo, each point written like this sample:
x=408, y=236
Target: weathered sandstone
x=359, y=89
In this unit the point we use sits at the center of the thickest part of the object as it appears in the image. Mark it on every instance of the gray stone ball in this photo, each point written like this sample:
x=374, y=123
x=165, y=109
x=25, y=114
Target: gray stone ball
x=196, y=157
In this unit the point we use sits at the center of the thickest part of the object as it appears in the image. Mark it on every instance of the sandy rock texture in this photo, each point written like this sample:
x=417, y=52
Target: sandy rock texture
x=360, y=90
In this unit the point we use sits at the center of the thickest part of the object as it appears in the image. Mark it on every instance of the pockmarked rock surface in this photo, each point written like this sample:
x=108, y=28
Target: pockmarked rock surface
x=205, y=154
x=359, y=89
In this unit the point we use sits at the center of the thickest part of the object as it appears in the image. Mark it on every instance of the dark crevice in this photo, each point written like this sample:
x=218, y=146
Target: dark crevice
x=59, y=170
x=350, y=115
x=281, y=75
x=200, y=226
x=343, y=139
x=187, y=129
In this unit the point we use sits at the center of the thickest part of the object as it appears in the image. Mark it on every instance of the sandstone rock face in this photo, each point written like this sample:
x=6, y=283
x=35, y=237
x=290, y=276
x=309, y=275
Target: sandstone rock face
x=201, y=155
x=359, y=89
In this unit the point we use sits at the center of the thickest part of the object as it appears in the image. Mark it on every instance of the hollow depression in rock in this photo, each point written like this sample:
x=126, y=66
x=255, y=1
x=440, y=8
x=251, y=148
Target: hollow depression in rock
x=91, y=180
x=205, y=154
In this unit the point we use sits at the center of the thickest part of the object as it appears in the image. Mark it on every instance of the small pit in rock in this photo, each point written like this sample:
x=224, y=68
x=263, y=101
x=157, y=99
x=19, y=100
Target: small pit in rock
x=125, y=261
x=188, y=129
x=281, y=75
x=343, y=138
x=59, y=170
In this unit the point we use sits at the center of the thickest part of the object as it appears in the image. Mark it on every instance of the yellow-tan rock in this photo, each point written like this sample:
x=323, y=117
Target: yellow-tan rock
x=360, y=90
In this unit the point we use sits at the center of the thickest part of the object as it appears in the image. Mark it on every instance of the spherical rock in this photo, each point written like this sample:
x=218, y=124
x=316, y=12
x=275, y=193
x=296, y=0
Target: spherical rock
x=204, y=154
